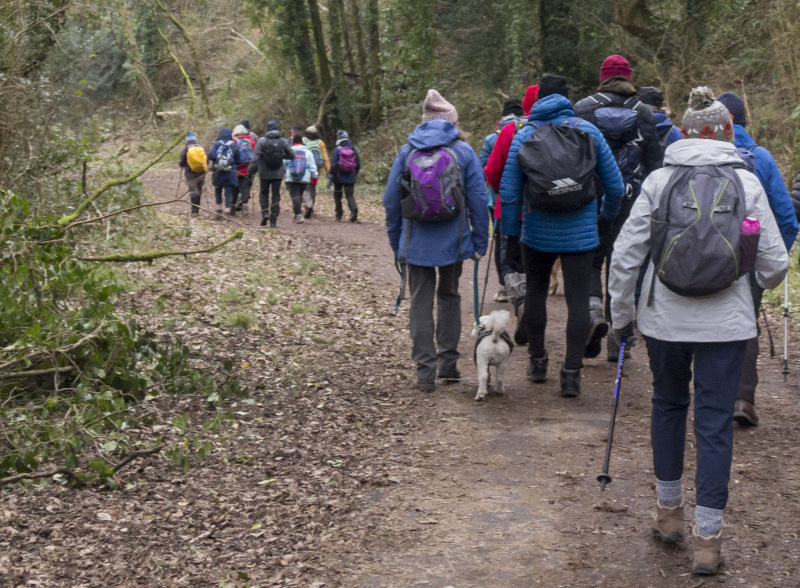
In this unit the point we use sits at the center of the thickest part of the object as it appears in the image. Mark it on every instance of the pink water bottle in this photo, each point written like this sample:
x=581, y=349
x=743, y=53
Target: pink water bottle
x=748, y=244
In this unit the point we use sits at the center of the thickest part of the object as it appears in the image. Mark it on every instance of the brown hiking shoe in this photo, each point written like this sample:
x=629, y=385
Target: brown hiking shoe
x=707, y=553
x=744, y=413
x=668, y=523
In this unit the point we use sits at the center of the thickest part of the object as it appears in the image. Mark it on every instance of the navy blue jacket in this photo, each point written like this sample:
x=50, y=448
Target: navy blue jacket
x=337, y=176
x=437, y=244
x=220, y=178
x=770, y=177
x=558, y=233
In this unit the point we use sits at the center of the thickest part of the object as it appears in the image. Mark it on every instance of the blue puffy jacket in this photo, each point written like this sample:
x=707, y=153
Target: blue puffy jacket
x=664, y=126
x=436, y=244
x=559, y=233
x=221, y=178
x=770, y=177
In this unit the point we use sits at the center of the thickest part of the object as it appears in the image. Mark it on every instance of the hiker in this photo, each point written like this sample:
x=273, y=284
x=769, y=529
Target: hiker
x=512, y=114
x=767, y=172
x=194, y=162
x=513, y=271
x=796, y=197
x=438, y=243
x=245, y=145
x=320, y=153
x=300, y=170
x=629, y=128
x=548, y=234
x=271, y=151
x=668, y=133
x=345, y=165
x=710, y=324
x=225, y=157
x=246, y=124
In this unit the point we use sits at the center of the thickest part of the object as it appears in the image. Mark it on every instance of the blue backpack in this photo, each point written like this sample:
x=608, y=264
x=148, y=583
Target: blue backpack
x=297, y=169
x=224, y=160
x=620, y=127
x=748, y=157
x=245, y=150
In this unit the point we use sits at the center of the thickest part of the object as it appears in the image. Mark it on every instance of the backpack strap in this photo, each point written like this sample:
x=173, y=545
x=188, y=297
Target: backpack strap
x=601, y=99
x=633, y=103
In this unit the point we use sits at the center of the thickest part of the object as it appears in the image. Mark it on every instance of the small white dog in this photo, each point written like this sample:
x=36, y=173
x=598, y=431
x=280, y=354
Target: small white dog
x=492, y=348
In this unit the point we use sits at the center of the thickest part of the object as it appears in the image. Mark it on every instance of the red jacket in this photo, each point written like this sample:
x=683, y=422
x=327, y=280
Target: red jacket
x=497, y=160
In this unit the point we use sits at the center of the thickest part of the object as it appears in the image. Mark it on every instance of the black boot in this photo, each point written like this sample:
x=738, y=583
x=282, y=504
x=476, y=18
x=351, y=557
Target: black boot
x=353, y=215
x=537, y=368
x=570, y=383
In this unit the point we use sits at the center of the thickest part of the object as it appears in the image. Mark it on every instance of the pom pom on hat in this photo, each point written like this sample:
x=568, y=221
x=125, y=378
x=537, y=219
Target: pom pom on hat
x=435, y=107
x=706, y=118
x=312, y=130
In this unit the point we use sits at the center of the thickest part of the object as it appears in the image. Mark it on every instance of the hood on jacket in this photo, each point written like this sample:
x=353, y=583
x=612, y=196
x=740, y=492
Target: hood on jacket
x=273, y=134
x=662, y=121
x=240, y=130
x=224, y=134
x=617, y=85
x=551, y=106
x=434, y=133
x=741, y=138
x=697, y=152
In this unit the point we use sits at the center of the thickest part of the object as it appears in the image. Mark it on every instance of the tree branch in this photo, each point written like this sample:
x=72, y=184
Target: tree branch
x=65, y=220
x=63, y=350
x=35, y=476
x=150, y=256
x=131, y=456
x=123, y=211
x=30, y=374
x=188, y=81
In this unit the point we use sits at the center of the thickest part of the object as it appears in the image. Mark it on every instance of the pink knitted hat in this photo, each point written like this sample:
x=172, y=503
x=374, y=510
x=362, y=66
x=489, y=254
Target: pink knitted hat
x=437, y=107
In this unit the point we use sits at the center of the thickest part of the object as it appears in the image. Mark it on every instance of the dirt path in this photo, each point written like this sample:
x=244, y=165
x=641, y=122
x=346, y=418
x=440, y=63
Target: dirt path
x=382, y=486
x=504, y=493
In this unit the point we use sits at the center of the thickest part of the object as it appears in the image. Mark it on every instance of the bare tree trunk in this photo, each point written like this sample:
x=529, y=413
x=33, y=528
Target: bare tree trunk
x=131, y=48
x=323, y=65
x=337, y=61
x=373, y=29
x=362, y=54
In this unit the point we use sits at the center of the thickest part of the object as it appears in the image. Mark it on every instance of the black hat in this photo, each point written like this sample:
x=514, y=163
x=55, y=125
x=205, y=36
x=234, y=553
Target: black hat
x=651, y=96
x=551, y=84
x=735, y=106
x=512, y=106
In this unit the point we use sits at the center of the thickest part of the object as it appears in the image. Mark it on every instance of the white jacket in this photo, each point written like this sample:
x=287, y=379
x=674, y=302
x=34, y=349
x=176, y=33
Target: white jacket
x=725, y=316
x=311, y=166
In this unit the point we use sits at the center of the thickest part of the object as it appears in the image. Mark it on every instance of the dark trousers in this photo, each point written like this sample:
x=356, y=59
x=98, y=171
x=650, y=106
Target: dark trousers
x=228, y=195
x=274, y=209
x=717, y=369
x=194, y=182
x=241, y=193
x=422, y=285
x=575, y=267
x=296, y=190
x=608, y=230
x=749, y=381
x=337, y=198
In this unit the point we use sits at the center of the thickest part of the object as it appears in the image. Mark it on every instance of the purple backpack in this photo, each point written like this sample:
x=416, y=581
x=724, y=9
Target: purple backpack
x=433, y=189
x=347, y=160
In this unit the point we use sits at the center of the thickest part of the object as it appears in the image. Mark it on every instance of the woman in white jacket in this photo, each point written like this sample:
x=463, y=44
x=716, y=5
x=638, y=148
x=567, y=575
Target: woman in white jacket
x=710, y=330
x=299, y=172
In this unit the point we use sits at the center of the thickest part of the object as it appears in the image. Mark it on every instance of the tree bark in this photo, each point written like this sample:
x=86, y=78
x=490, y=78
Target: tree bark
x=323, y=66
x=362, y=54
x=373, y=30
x=337, y=61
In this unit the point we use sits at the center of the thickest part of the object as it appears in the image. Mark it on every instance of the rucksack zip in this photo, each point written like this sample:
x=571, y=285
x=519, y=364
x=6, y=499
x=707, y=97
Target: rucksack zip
x=711, y=218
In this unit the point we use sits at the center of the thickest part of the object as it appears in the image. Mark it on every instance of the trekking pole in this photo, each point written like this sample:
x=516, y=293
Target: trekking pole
x=785, y=370
x=604, y=478
x=401, y=269
x=475, y=278
x=488, y=265
x=769, y=333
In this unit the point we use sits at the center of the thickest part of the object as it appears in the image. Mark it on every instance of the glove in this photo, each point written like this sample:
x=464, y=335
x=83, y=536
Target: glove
x=477, y=256
x=330, y=183
x=627, y=333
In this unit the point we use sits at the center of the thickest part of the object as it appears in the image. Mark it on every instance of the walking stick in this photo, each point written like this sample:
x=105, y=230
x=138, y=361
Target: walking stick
x=604, y=478
x=401, y=269
x=769, y=333
x=488, y=265
x=785, y=370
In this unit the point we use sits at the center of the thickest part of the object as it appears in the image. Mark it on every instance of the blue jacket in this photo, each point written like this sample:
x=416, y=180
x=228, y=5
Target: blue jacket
x=337, y=176
x=221, y=178
x=770, y=177
x=436, y=244
x=558, y=233
x=662, y=124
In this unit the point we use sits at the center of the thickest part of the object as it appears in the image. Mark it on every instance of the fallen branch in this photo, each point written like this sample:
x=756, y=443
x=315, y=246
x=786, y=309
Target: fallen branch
x=131, y=456
x=36, y=476
x=123, y=211
x=66, y=220
x=32, y=373
x=151, y=256
x=63, y=350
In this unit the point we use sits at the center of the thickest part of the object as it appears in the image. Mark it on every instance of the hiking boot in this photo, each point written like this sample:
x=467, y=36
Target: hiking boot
x=452, y=375
x=245, y=209
x=707, y=553
x=297, y=218
x=613, y=350
x=264, y=221
x=426, y=386
x=501, y=296
x=521, y=333
x=537, y=369
x=570, y=383
x=744, y=413
x=668, y=523
x=338, y=218
x=597, y=330
x=354, y=215
x=227, y=210
x=308, y=213
x=273, y=224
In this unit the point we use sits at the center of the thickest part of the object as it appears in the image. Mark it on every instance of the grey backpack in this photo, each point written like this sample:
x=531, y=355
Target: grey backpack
x=695, y=231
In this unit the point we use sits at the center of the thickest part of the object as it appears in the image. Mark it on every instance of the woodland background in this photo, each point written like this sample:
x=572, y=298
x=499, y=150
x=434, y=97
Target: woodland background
x=91, y=93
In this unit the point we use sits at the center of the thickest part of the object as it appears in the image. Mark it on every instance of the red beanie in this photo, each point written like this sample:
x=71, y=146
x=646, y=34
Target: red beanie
x=615, y=65
x=530, y=99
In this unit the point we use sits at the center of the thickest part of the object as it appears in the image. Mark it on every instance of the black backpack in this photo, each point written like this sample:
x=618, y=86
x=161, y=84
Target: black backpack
x=559, y=164
x=273, y=152
x=695, y=230
x=619, y=124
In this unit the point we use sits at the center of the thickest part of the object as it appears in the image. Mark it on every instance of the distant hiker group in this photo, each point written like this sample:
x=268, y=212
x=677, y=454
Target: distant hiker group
x=671, y=232
x=237, y=157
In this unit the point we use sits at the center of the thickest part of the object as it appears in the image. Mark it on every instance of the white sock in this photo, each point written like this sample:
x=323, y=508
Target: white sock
x=708, y=521
x=670, y=493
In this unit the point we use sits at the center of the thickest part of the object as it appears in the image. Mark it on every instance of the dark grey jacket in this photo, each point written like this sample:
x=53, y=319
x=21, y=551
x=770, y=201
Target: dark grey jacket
x=264, y=144
x=796, y=197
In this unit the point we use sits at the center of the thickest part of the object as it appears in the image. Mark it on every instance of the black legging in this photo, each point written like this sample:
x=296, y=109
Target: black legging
x=576, y=268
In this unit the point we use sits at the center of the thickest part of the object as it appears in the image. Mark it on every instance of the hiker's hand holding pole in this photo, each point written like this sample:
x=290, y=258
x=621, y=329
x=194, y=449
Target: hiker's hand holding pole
x=625, y=332
x=477, y=256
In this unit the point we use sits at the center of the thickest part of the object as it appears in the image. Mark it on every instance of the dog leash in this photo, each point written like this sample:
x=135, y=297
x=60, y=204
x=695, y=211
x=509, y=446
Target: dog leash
x=476, y=293
x=488, y=265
